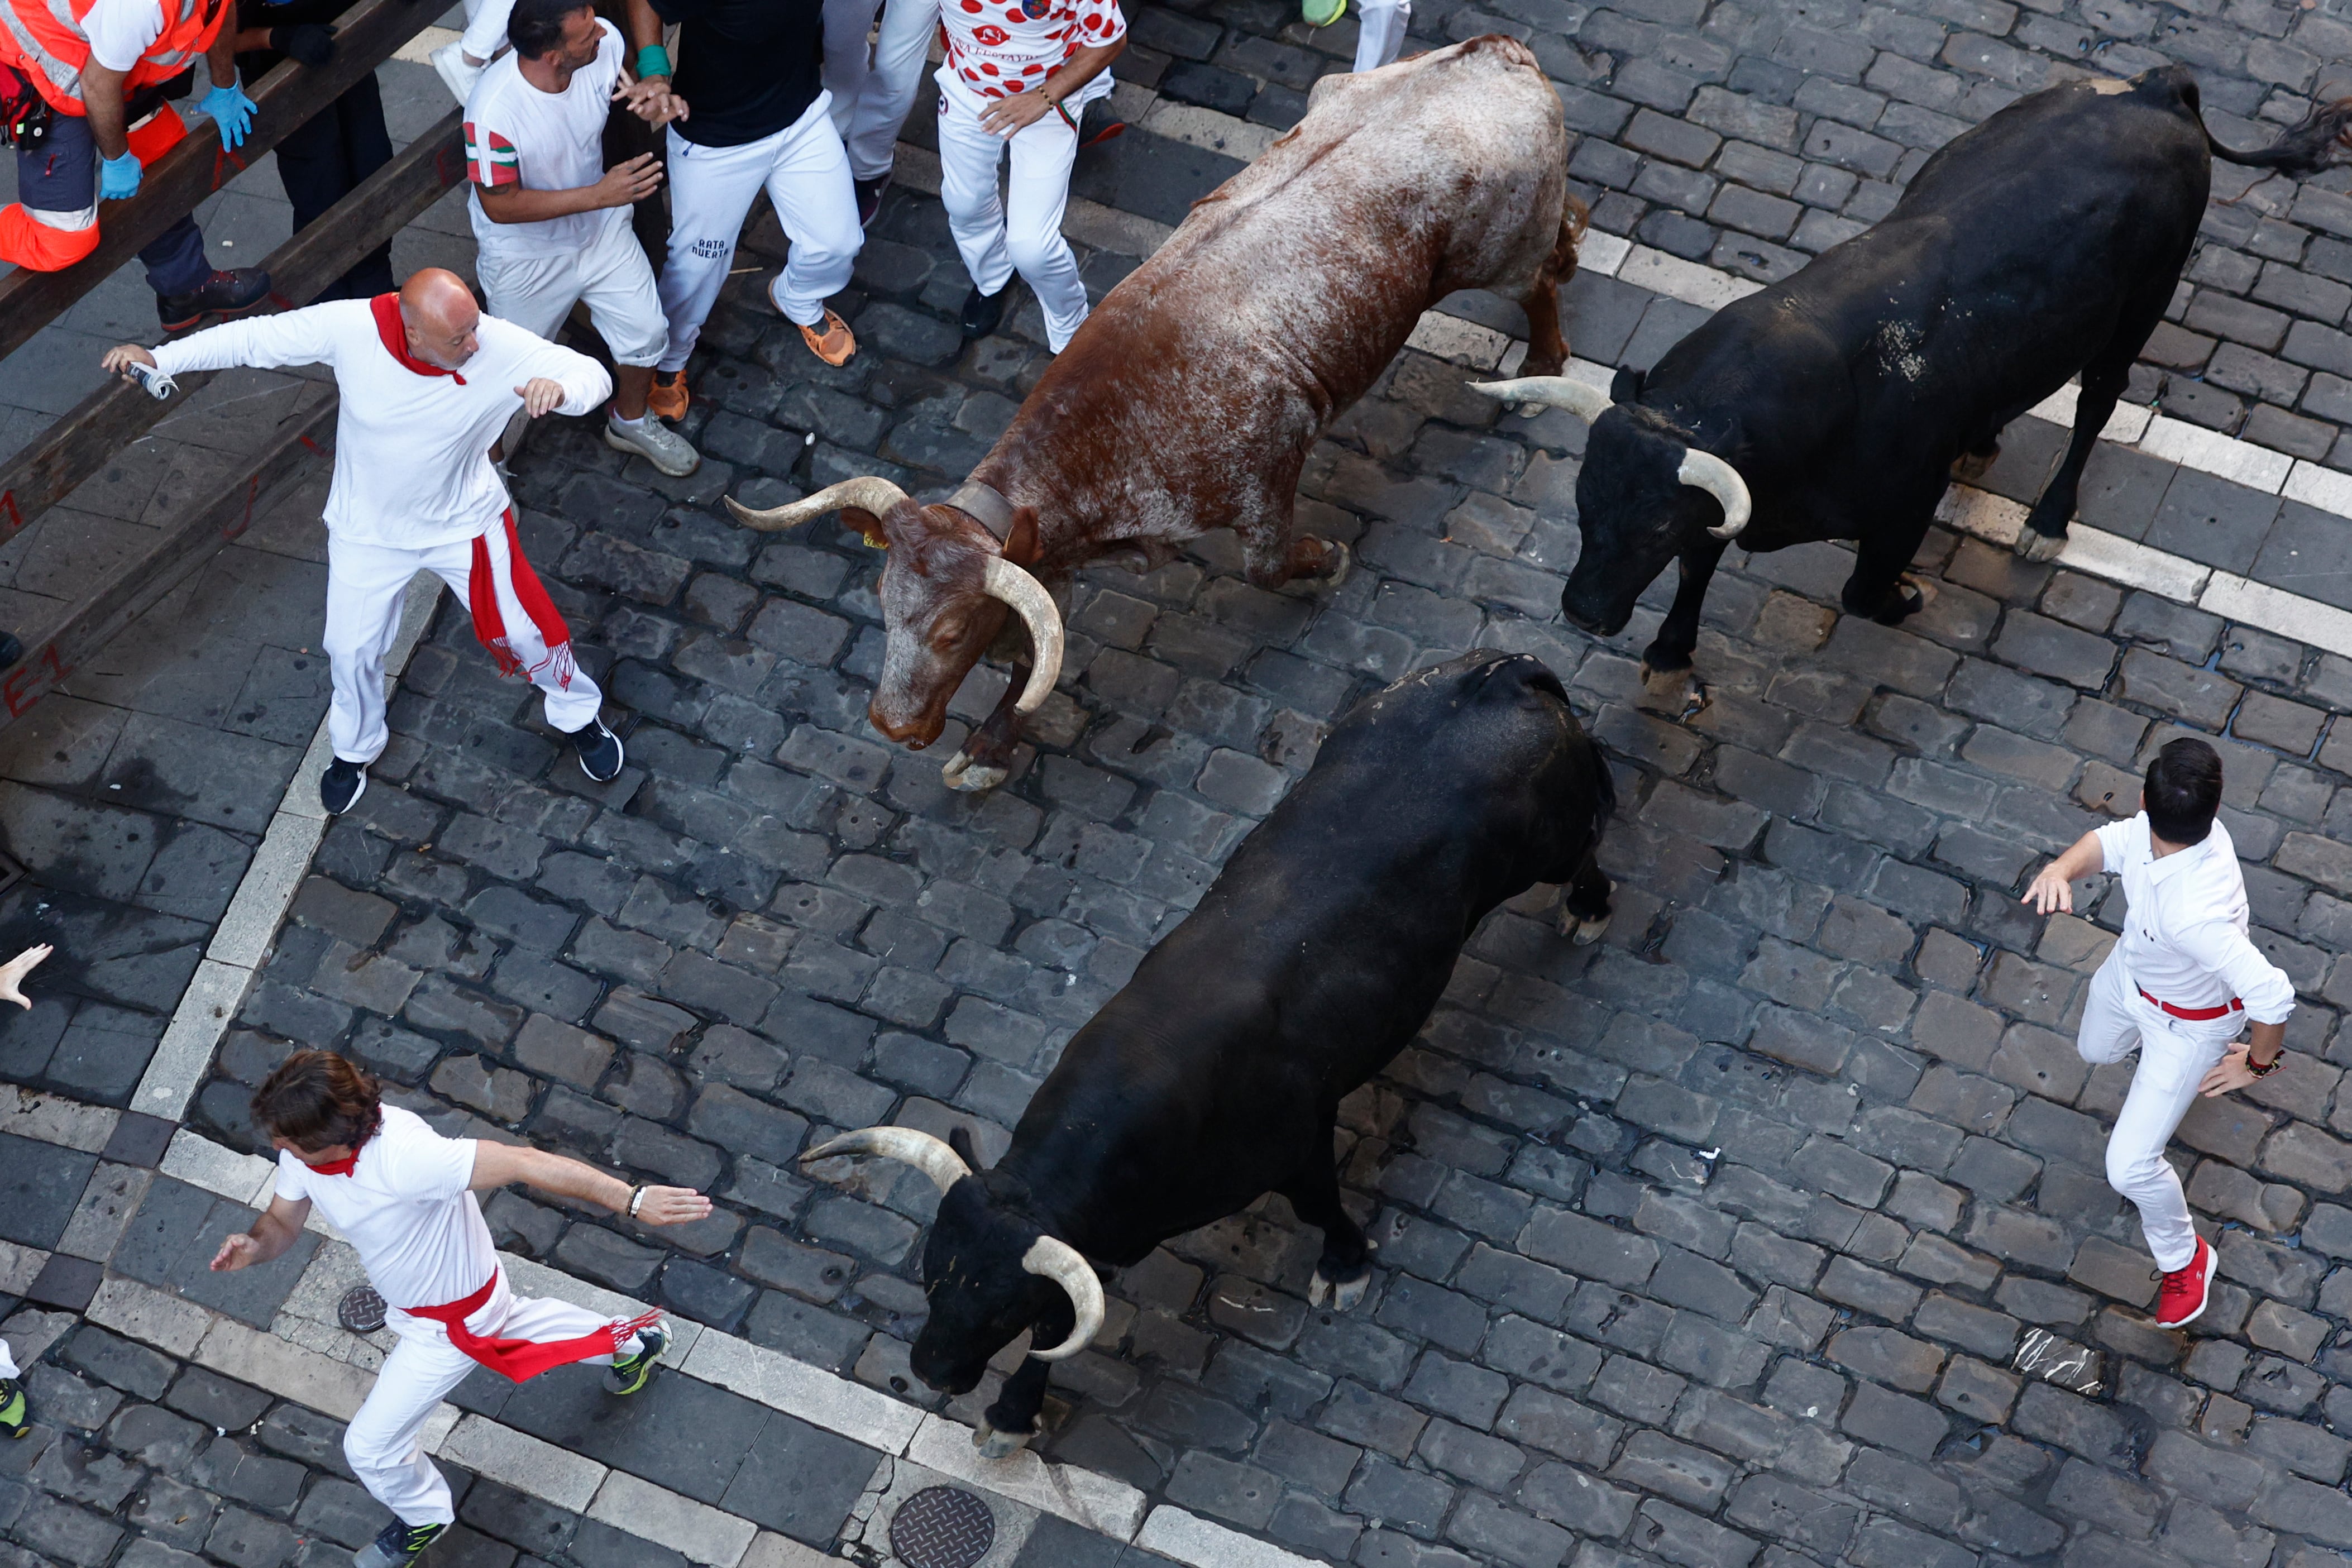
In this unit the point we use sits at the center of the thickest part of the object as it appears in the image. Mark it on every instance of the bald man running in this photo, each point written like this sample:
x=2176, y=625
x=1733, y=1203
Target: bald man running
x=428, y=383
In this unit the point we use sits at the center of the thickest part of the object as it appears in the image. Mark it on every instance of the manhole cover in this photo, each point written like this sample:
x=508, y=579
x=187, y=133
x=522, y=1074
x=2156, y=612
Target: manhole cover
x=940, y=1527
x=361, y=1310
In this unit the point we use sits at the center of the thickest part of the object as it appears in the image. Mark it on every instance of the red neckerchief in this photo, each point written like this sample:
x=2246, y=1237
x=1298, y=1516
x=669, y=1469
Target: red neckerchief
x=349, y=1162
x=394, y=333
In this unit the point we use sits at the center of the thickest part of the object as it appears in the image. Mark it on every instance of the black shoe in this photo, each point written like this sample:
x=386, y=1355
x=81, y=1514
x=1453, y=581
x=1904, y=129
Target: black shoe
x=397, y=1545
x=599, y=750
x=869, y=198
x=1099, y=122
x=342, y=786
x=982, y=313
x=223, y=294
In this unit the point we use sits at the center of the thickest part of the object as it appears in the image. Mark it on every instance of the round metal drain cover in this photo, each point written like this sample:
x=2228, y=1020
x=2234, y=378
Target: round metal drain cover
x=940, y=1527
x=361, y=1310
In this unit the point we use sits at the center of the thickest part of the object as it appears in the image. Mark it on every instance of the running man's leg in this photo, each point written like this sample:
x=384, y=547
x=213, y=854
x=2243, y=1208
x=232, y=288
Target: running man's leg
x=2172, y=1064
x=573, y=698
x=817, y=208
x=710, y=192
x=968, y=163
x=1380, y=32
x=364, y=586
x=2111, y=1015
x=1035, y=198
x=381, y=1443
x=892, y=86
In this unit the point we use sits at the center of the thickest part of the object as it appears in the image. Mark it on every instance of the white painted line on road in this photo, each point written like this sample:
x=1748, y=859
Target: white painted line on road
x=2132, y=564
x=2193, y=446
x=526, y=1463
x=198, y=1160
x=1603, y=252
x=1706, y=287
x=1208, y=130
x=1099, y=1503
x=53, y=1119
x=696, y=1530
x=2275, y=610
x=1188, y=1538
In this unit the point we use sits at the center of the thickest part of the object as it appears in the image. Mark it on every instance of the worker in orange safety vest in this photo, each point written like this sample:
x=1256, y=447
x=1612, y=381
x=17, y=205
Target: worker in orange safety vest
x=85, y=79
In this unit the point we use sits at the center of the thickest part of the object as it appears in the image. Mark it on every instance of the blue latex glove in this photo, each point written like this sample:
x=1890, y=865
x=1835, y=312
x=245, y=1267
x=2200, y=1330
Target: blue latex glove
x=231, y=110
x=118, y=178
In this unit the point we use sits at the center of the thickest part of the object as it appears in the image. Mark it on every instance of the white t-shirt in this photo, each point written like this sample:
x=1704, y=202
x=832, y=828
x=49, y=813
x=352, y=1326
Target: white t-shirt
x=518, y=135
x=406, y=1208
x=2184, y=938
x=1001, y=49
x=119, y=31
x=412, y=451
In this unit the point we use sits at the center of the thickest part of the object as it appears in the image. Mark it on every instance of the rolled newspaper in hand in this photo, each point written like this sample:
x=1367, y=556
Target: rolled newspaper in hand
x=158, y=382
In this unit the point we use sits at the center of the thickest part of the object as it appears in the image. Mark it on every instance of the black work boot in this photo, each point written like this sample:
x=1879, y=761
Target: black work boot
x=223, y=294
x=982, y=313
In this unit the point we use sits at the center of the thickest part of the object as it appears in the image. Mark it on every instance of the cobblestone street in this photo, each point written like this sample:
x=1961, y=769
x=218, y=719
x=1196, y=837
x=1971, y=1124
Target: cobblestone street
x=1711, y=1245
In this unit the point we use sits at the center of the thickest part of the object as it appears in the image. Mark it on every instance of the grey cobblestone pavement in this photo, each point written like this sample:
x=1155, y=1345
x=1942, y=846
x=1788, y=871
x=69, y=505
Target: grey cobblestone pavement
x=1711, y=1246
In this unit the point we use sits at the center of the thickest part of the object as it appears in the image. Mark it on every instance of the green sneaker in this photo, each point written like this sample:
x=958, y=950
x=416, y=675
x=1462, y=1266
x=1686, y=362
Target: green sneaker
x=397, y=1545
x=631, y=1373
x=14, y=1421
x=1322, y=12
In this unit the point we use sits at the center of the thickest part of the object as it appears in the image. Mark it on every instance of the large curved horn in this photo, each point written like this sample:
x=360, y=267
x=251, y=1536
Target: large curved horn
x=1588, y=402
x=926, y=1154
x=1720, y=480
x=1003, y=580
x=866, y=492
x=1059, y=1261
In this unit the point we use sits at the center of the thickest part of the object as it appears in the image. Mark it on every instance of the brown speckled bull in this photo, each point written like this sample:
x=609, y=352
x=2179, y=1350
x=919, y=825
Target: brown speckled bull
x=1191, y=397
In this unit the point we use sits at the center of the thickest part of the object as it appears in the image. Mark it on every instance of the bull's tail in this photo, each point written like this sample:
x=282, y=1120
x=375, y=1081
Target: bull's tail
x=2323, y=138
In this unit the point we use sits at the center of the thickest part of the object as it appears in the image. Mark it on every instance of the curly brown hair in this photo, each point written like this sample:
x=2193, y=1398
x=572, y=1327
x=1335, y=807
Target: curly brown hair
x=317, y=1099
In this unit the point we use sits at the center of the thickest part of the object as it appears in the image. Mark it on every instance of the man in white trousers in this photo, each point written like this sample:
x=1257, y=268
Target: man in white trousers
x=552, y=223
x=427, y=385
x=2181, y=982
x=1380, y=25
x=746, y=109
x=461, y=62
x=1019, y=74
x=403, y=1195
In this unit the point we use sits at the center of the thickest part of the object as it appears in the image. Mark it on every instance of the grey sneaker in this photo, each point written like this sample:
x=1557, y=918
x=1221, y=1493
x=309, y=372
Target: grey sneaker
x=397, y=1545
x=657, y=443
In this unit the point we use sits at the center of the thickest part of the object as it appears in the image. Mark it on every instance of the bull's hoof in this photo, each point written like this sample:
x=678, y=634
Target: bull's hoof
x=1909, y=597
x=1581, y=930
x=995, y=1444
x=1970, y=467
x=1678, y=693
x=1338, y=561
x=961, y=772
x=1342, y=1294
x=2035, y=545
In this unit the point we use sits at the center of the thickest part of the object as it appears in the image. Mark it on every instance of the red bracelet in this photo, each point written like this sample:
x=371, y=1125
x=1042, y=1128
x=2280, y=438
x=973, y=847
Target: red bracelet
x=2264, y=1069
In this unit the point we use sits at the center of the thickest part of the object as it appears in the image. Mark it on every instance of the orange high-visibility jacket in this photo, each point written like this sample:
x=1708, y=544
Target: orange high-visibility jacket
x=43, y=38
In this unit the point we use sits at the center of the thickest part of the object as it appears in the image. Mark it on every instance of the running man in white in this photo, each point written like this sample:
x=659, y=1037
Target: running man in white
x=427, y=383
x=403, y=1195
x=1380, y=25
x=2180, y=983
x=552, y=223
x=746, y=111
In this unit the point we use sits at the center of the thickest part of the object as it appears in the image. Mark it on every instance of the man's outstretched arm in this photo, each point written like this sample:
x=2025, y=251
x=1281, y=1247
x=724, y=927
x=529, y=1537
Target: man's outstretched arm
x=497, y=1165
x=272, y=1234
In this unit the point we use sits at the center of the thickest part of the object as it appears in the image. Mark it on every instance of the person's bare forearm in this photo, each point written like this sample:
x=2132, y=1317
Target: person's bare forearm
x=101, y=102
x=644, y=26
x=220, y=60
x=271, y=1236
x=513, y=204
x=2265, y=1042
x=1081, y=69
x=568, y=1178
x=2083, y=857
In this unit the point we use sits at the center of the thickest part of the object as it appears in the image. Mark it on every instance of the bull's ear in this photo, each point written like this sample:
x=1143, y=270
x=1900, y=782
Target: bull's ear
x=866, y=523
x=1021, y=543
x=959, y=1139
x=1625, y=386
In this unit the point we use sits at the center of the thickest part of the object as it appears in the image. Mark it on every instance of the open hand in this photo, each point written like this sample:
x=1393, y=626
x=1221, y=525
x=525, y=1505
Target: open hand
x=672, y=1205
x=625, y=184
x=2051, y=893
x=2231, y=1073
x=650, y=101
x=12, y=973
x=119, y=360
x=238, y=1251
x=1008, y=116
x=541, y=396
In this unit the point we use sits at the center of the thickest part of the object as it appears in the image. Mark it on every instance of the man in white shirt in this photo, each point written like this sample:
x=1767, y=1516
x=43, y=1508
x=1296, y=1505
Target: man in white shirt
x=427, y=383
x=552, y=223
x=2179, y=984
x=403, y=1195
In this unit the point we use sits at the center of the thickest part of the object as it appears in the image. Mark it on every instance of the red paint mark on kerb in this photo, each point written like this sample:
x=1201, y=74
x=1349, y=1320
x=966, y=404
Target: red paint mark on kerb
x=32, y=680
x=221, y=155
x=252, y=490
x=313, y=444
x=11, y=519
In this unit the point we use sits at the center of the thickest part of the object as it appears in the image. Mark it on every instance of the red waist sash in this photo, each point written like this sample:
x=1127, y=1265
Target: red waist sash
x=521, y=1359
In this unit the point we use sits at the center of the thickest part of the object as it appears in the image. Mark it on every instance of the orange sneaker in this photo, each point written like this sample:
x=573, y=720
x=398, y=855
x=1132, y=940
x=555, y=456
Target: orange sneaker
x=833, y=345
x=668, y=397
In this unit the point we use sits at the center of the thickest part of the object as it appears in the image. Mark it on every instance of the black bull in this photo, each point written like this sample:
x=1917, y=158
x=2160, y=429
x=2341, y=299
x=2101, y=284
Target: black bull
x=2044, y=244
x=1216, y=1074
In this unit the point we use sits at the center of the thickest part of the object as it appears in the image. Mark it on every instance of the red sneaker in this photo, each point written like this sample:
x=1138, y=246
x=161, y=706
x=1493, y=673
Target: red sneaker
x=2183, y=1295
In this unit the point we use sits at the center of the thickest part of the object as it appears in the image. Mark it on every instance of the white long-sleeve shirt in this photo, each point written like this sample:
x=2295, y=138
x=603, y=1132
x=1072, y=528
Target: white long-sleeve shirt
x=412, y=451
x=2184, y=938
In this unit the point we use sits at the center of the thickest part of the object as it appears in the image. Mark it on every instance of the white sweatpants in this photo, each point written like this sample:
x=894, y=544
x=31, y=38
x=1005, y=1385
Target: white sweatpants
x=891, y=85
x=381, y=1443
x=364, y=585
x=8, y=1362
x=1023, y=231
x=486, y=27
x=711, y=189
x=1380, y=37
x=847, y=26
x=2175, y=1055
x=611, y=274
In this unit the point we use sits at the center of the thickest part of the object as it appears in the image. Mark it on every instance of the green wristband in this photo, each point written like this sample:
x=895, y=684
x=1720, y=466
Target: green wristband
x=651, y=60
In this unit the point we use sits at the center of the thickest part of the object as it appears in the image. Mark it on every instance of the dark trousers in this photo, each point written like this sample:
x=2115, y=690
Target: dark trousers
x=60, y=175
x=324, y=160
